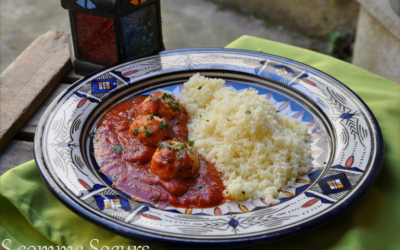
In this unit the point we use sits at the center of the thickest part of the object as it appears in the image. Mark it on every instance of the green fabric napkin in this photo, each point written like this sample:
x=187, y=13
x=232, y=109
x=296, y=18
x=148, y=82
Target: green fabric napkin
x=31, y=216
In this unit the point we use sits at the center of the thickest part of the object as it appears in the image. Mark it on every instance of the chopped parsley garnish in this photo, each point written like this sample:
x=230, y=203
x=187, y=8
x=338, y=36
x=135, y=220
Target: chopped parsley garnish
x=228, y=120
x=178, y=146
x=195, y=101
x=199, y=87
x=165, y=95
x=118, y=149
x=162, y=125
x=136, y=130
x=148, y=132
x=186, y=138
x=151, y=116
x=153, y=98
x=247, y=112
x=176, y=107
x=191, y=143
x=91, y=135
x=207, y=120
x=114, y=177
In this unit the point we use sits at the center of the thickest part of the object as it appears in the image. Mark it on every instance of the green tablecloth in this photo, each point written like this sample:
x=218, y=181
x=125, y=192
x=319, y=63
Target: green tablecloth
x=31, y=216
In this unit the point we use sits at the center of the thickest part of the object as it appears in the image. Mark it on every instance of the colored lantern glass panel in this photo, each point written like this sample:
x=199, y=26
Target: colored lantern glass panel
x=136, y=2
x=96, y=39
x=141, y=32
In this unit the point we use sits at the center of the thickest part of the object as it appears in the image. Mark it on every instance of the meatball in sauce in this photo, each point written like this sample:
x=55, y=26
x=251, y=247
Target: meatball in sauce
x=174, y=160
x=142, y=146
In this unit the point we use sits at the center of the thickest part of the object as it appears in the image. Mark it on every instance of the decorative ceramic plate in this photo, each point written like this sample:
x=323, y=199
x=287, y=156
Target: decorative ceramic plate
x=346, y=145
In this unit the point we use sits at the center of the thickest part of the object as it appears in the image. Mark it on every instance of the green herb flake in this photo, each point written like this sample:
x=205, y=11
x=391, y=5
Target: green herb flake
x=161, y=146
x=176, y=108
x=191, y=143
x=228, y=120
x=153, y=98
x=118, y=149
x=164, y=96
x=114, y=177
x=151, y=116
x=148, y=132
x=162, y=125
x=155, y=199
x=207, y=120
x=136, y=131
x=91, y=135
x=247, y=112
x=186, y=138
x=199, y=87
x=195, y=101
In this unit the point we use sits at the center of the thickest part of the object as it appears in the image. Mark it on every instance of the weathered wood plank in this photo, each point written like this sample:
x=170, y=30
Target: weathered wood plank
x=27, y=82
x=16, y=153
x=27, y=132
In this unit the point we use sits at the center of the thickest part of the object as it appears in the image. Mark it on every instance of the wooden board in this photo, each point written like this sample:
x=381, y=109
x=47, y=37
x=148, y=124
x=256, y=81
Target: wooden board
x=27, y=82
x=27, y=132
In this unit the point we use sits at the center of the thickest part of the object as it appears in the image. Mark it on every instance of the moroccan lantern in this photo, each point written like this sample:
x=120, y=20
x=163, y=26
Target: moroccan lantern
x=105, y=32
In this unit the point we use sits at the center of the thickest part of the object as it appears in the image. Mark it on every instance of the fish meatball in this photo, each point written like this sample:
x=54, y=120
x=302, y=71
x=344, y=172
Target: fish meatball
x=149, y=129
x=160, y=104
x=174, y=160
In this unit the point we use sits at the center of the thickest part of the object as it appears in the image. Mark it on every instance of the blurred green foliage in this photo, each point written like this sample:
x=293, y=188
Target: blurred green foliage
x=340, y=46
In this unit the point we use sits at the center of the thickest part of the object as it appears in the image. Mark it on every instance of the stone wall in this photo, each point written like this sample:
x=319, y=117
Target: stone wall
x=377, y=46
x=314, y=18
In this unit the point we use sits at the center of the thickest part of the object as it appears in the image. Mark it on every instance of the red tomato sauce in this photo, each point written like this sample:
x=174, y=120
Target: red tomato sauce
x=126, y=160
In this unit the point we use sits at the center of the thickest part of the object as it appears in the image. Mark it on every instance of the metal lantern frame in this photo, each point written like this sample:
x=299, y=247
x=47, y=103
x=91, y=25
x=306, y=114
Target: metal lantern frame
x=115, y=10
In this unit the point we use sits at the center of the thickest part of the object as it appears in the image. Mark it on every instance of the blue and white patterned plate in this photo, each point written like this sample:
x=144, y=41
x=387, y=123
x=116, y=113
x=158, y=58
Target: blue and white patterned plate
x=346, y=144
